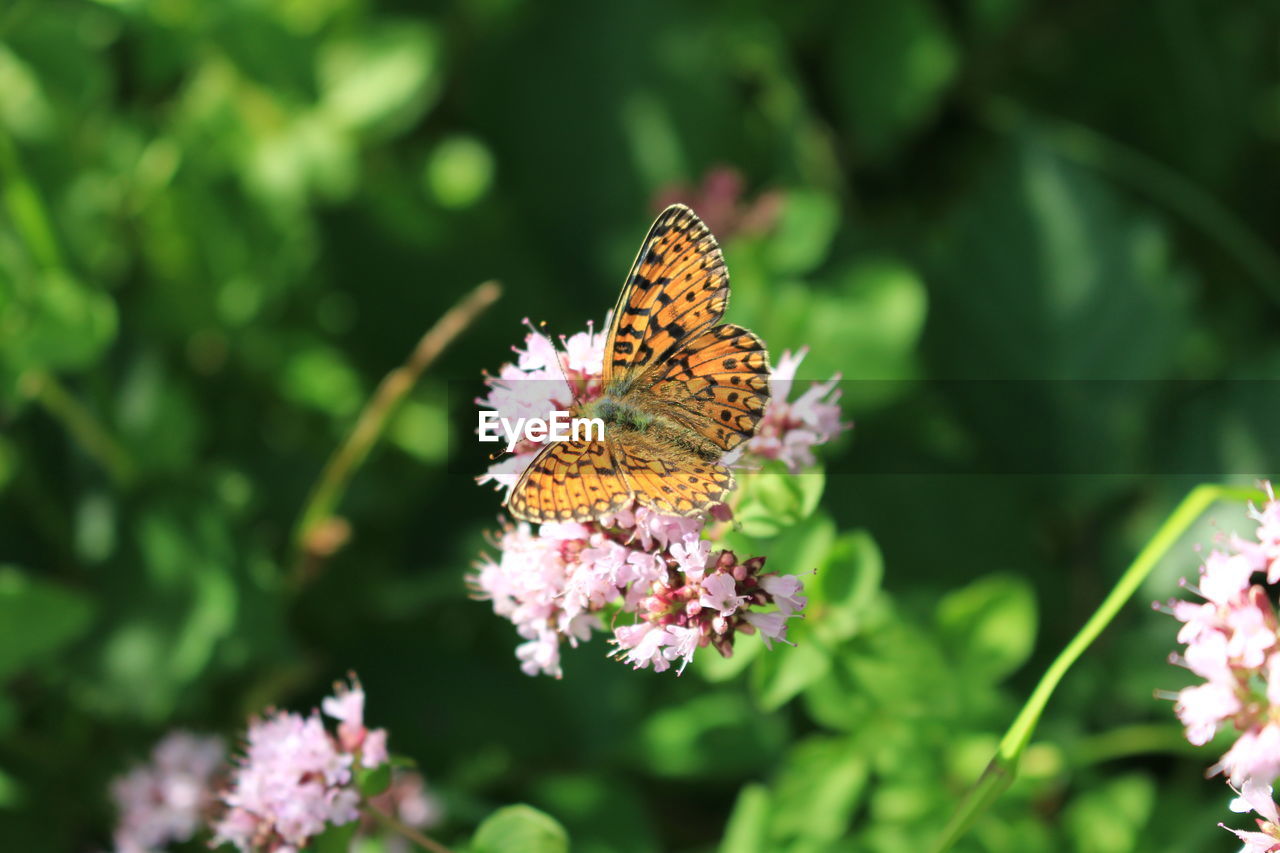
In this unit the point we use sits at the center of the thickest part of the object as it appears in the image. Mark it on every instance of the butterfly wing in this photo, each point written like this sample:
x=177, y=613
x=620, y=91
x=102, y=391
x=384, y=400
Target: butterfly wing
x=569, y=481
x=671, y=483
x=677, y=287
x=716, y=384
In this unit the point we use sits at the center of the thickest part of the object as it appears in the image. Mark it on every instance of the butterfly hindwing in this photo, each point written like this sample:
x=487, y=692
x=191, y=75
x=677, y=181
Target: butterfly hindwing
x=670, y=483
x=569, y=481
x=677, y=287
x=717, y=384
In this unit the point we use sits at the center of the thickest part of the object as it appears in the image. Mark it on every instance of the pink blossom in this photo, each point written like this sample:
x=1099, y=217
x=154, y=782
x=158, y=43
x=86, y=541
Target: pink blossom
x=785, y=590
x=720, y=591
x=1205, y=707
x=295, y=778
x=1254, y=755
x=1256, y=796
x=555, y=583
x=790, y=430
x=772, y=626
x=166, y=801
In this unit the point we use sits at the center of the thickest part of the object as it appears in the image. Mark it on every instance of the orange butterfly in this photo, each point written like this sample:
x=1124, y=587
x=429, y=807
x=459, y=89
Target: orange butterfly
x=680, y=390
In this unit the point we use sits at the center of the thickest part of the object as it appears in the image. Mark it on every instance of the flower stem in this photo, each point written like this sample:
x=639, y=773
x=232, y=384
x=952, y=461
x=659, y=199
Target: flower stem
x=404, y=829
x=1004, y=766
x=318, y=533
x=84, y=427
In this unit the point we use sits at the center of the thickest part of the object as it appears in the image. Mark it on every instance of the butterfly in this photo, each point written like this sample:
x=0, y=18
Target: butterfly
x=680, y=389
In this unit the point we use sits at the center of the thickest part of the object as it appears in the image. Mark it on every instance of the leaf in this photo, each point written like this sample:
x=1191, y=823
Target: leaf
x=747, y=830
x=990, y=625
x=381, y=79
x=893, y=61
x=54, y=322
x=1110, y=817
x=36, y=618
x=372, y=781
x=819, y=786
x=712, y=734
x=774, y=499
x=335, y=839
x=520, y=829
x=846, y=582
x=802, y=236
x=780, y=674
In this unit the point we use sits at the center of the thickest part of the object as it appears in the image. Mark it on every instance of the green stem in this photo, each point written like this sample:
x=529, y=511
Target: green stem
x=1004, y=766
x=405, y=830
x=85, y=429
x=21, y=199
x=317, y=516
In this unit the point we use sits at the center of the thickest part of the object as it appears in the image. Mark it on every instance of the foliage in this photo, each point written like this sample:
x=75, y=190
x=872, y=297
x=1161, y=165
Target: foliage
x=221, y=224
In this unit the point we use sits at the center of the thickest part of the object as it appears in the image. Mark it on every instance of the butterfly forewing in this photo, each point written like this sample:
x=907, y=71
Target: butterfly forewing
x=678, y=286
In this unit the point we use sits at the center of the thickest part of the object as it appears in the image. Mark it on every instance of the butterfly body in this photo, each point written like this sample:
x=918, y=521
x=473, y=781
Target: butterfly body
x=680, y=390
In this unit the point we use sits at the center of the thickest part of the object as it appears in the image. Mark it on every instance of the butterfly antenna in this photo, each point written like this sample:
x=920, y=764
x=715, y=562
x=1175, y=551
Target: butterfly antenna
x=542, y=330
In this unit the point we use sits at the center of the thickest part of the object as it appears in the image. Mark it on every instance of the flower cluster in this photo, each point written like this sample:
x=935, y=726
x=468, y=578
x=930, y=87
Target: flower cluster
x=556, y=583
x=295, y=778
x=167, y=800
x=293, y=781
x=1232, y=639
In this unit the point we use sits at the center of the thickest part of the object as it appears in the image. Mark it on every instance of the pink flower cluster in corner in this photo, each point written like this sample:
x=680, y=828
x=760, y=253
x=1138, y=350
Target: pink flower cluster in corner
x=555, y=583
x=1232, y=639
x=295, y=778
x=167, y=800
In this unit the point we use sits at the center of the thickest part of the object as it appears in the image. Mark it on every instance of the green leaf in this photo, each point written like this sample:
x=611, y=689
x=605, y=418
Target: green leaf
x=817, y=790
x=990, y=625
x=1110, y=817
x=459, y=172
x=54, y=322
x=36, y=618
x=372, y=781
x=774, y=499
x=381, y=79
x=335, y=839
x=708, y=735
x=747, y=830
x=846, y=583
x=802, y=236
x=780, y=674
x=320, y=376
x=520, y=829
x=903, y=41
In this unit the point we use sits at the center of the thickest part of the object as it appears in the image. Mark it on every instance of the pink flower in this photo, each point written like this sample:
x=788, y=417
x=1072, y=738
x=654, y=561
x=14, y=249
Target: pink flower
x=1232, y=642
x=295, y=778
x=720, y=591
x=1203, y=708
x=1255, y=755
x=165, y=801
x=554, y=584
x=790, y=430
x=410, y=800
x=1256, y=796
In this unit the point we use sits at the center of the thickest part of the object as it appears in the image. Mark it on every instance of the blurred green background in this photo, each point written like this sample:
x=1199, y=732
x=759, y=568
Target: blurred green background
x=223, y=222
